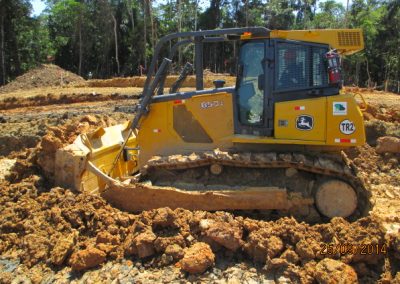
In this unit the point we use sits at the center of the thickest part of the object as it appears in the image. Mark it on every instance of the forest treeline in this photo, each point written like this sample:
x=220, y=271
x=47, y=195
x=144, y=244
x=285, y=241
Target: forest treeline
x=107, y=38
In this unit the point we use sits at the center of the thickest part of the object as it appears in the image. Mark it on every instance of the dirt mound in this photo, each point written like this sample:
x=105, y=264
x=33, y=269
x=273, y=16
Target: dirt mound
x=41, y=76
x=380, y=171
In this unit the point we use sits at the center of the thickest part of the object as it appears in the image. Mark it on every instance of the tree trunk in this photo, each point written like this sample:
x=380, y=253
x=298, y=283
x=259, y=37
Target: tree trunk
x=369, y=75
x=357, y=73
x=145, y=32
x=179, y=29
x=3, y=65
x=130, y=12
x=247, y=12
x=153, y=35
x=80, y=47
x=195, y=14
x=195, y=21
x=116, y=43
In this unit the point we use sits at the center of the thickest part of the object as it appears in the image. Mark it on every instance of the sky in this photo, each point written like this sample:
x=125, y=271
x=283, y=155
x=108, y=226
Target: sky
x=38, y=6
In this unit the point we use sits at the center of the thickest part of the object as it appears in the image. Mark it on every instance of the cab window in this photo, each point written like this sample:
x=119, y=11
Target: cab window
x=292, y=66
x=250, y=97
x=319, y=68
x=300, y=66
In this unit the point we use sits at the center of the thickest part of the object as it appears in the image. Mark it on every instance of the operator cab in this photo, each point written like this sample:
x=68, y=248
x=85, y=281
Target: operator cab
x=275, y=70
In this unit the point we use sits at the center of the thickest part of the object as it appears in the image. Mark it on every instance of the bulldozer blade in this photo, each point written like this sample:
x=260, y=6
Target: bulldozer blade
x=78, y=165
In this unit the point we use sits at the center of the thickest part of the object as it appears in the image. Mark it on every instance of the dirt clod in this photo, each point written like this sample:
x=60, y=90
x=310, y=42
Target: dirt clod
x=388, y=144
x=333, y=271
x=87, y=258
x=197, y=258
x=228, y=235
x=62, y=249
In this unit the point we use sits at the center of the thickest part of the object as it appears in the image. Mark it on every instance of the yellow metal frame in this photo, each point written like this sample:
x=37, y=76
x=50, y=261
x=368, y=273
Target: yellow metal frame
x=346, y=41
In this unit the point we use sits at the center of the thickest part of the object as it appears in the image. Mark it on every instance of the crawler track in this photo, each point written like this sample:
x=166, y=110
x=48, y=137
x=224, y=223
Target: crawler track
x=194, y=168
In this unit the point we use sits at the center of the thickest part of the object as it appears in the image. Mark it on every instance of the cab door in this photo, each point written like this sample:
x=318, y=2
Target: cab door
x=253, y=109
x=300, y=91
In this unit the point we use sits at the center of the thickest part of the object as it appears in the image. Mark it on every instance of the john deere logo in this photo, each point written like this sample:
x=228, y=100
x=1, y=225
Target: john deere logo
x=339, y=108
x=304, y=122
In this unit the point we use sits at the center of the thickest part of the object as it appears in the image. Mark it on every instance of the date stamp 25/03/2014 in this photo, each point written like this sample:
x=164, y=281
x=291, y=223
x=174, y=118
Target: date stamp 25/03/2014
x=348, y=248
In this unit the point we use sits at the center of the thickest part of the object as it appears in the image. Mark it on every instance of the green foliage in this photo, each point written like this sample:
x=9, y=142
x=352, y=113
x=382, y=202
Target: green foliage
x=80, y=34
x=332, y=16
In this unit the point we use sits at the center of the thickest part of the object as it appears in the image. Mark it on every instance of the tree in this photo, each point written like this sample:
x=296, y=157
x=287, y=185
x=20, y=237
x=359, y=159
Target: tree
x=68, y=29
x=24, y=41
x=331, y=16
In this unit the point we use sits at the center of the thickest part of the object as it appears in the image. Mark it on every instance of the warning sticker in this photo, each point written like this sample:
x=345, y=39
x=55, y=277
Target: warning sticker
x=339, y=108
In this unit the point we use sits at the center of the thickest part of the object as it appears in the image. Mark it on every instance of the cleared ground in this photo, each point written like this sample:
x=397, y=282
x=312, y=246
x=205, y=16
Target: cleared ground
x=51, y=234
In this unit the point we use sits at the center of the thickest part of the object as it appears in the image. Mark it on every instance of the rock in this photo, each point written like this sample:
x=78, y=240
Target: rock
x=91, y=119
x=333, y=271
x=394, y=244
x=228, y=235
x=290, y=256
x=388, y=144
x=107, y=248
x=164, y=217
x=87, y=258
x=106, y=238
x=261, y=245
x=204, y=224
x=175, y=251
x=305, y=250
x=21, y=280
x=161, y=243
x=62, y=250
x=276, y=263
x=145, y=244
x=6, y=166
x=197, y=258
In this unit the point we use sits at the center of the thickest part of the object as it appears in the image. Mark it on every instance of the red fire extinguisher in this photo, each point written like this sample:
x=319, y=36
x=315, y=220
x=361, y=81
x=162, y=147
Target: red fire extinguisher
x=334, y=68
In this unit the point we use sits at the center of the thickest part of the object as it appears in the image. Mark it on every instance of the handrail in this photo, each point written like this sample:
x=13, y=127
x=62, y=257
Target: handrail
x=364, y=102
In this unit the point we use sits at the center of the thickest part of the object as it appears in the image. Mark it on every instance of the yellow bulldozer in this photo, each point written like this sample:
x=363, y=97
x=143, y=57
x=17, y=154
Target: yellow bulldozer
x=272, y=142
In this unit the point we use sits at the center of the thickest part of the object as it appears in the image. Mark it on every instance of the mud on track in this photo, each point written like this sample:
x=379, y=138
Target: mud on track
x=50, y=234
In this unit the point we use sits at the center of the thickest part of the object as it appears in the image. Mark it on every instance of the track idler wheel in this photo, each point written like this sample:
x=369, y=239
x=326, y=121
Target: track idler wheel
x=216, y=169
x=336, y=198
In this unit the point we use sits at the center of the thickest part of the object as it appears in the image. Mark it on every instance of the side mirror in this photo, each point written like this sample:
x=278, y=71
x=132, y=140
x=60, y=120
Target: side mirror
x=261, y=82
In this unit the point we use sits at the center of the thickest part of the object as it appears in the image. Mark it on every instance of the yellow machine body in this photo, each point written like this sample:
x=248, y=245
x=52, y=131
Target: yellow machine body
x=157, y=135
